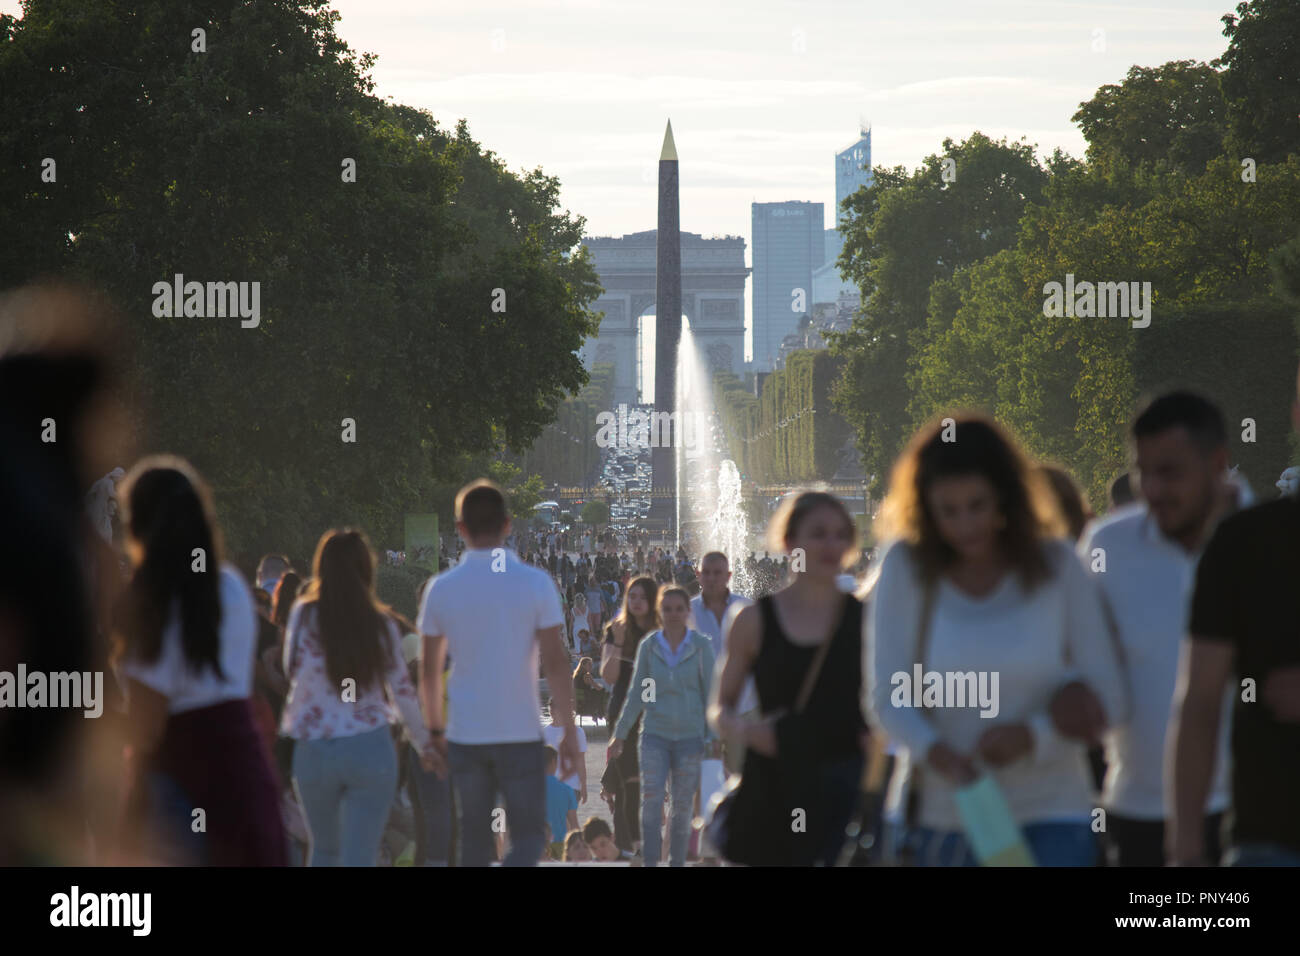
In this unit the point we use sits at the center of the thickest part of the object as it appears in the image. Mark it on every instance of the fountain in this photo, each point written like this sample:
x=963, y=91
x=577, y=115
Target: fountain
x=710, y=504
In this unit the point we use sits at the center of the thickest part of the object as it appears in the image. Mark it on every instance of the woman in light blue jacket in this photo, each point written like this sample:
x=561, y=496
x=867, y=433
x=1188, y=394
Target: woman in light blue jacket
x=670, y=687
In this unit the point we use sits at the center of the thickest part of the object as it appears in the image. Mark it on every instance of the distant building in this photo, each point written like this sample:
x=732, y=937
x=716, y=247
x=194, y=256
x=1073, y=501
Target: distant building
x=852, y=168
x=713, y=301
x=825, y=317
x=789, y=244
x=852, y=172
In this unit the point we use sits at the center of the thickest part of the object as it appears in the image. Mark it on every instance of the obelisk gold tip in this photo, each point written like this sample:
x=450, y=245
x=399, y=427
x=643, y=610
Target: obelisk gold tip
x=670, y=148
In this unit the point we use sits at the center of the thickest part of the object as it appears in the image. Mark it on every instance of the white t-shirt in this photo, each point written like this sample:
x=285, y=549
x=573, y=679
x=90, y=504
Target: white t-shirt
x=1147, y=582
x=171, y=676
x=490, y=620
x=551, y=736
x=704, y=621
x=1034, y=643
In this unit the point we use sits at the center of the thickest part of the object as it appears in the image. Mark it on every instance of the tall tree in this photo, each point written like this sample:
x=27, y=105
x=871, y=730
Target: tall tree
x=907, y=231
x=1172, y=114
x=435, y=300
x=1262, y=80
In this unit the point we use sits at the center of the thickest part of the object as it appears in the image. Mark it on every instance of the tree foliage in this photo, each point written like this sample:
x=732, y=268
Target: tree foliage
x=376, y=295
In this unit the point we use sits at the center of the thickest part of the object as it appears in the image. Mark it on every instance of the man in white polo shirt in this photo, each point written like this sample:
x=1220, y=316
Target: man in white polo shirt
x=1144, y=557
x=712, y=611
x=494, y=614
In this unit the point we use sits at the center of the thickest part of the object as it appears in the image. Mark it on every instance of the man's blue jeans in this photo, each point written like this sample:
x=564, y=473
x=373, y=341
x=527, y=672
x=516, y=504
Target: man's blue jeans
x=659, y=757
x=481, y=772
x=433, y=804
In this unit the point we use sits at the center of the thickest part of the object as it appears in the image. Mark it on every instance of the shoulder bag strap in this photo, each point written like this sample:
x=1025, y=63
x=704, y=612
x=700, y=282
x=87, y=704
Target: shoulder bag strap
x=912, y=806
x=814, y=669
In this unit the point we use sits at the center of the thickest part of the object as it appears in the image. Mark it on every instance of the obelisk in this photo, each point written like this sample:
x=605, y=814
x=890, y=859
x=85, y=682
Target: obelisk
x=668, y=330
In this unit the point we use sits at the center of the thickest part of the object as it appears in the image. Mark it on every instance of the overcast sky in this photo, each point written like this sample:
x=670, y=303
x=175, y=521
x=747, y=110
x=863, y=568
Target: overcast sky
x=762, y=93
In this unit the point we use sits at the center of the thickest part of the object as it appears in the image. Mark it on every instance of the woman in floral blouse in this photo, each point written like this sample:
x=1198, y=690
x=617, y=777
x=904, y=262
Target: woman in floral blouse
x=348, y=682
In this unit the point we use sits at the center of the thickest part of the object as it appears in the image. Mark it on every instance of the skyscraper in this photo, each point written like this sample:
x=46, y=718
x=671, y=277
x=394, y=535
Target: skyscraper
x=852, y=172
x=852, y=168
x=789, y=244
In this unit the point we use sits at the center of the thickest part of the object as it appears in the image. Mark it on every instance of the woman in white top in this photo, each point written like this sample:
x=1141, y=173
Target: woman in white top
x=988, y=649
x=580, y=622
x=188, y=630
x=348, y=682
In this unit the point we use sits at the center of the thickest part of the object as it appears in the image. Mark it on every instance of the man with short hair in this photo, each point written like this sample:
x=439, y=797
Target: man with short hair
x=270, y=570
x=1243, y=637
x=494, y=614
x=1144, y=558
x=712, y=611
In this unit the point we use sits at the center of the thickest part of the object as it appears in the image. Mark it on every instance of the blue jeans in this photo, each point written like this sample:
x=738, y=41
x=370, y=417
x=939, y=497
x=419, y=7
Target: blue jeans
x=346, y=787
x=1051, y=844
x=481, y=772
x=433, y=804
x=659, y=757
x=1261, y=854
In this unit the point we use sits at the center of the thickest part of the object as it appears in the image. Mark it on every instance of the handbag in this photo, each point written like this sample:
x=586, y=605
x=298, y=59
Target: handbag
x=736, y=836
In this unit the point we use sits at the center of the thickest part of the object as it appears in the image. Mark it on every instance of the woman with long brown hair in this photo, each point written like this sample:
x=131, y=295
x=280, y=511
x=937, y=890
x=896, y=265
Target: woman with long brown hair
x=188, y=627
x=978, y=584
x=622, y=780
x=342, y=652
x=803, y=646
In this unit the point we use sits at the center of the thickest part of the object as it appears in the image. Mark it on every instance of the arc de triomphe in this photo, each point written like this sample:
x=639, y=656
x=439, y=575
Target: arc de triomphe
x=713, y=300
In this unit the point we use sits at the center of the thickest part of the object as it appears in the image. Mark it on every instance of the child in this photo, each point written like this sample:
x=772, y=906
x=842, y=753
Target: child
x=561, y=803
x=575, y=848
x=600, y=841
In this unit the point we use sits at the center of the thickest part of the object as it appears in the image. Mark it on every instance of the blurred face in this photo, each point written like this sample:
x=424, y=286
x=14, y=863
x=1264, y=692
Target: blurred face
x=604, y=849
x=1178, y=480
x=966, y=512
x=637, y=605
x=825, y=538
x=579, y=851
x=714, y=577
x=674, y=611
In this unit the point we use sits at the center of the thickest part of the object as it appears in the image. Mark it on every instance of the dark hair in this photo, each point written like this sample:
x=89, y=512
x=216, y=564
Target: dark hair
x=650, y=588
x=594, y=829
x=286, y=592
x=978, y=447
x=168, y=512
x=1200, y=416
x=1069, y=498
x=1121, y=490
x=481, y=507
x=350, y=621
x=573, y=839
x=796, y=507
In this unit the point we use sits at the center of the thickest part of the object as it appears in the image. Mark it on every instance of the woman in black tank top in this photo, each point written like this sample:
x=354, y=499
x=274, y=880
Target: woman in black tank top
x=802, y=770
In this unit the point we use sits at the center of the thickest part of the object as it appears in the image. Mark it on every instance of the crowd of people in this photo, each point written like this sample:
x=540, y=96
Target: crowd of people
x=1016, y=679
